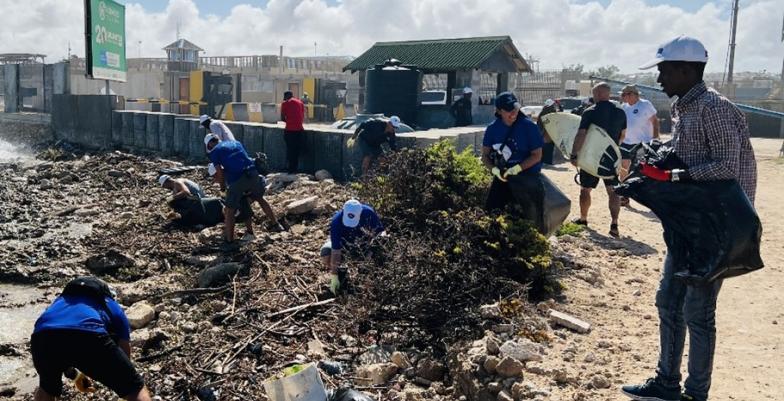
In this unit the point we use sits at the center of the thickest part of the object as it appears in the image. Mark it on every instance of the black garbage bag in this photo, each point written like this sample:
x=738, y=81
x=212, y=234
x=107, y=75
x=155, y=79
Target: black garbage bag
x=347, y=394
x=556, y=207
x=710, y=227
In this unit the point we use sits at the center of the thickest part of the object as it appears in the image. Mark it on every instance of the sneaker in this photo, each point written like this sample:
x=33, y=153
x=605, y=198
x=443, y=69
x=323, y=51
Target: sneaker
x=614, y=231
x=651, y=390
x=686, y=397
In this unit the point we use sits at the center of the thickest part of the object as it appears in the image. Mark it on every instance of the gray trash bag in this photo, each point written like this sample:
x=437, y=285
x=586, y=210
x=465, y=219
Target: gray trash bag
x=347, y=394
x=556, y=207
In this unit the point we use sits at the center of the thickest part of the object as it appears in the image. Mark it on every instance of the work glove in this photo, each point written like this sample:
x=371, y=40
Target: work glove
x=655, y=142
x=497, y=173
x=514, y=170
x=334, y=283
x=84, y=384
x=655, y=173
x=350, y=142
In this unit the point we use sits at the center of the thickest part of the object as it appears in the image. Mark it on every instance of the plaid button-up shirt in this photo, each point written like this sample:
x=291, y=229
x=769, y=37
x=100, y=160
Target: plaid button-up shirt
x=711, y=136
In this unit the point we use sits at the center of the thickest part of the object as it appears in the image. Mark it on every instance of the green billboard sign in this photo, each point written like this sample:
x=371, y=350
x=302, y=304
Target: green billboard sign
x=105, y=40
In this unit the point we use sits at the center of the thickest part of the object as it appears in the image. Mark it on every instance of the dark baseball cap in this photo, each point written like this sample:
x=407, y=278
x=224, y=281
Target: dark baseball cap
x=288, y=94
x=507, y=101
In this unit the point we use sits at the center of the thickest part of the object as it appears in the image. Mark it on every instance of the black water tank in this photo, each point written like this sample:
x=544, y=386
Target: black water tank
x=392, y=89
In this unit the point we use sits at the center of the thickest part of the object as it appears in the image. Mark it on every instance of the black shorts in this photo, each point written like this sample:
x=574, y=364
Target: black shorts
x=589, y=181
x=369, y=149
x=96, y=355
x=626, y=150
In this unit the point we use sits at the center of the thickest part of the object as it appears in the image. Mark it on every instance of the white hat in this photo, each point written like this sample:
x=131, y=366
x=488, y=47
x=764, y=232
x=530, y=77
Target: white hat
x=211, y=170
x=352, y=210
x=203, y=118
x=549, y=102
x=162, y=179
x=467, y=90
x=209, y=138
x=395, y=121
x=682, y=48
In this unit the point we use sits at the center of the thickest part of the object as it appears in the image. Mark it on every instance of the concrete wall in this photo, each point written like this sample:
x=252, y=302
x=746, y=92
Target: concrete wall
x=86, y=119
x=26, y=129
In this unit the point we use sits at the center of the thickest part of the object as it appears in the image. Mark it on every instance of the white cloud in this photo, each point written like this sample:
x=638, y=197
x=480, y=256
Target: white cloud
x=558, y=32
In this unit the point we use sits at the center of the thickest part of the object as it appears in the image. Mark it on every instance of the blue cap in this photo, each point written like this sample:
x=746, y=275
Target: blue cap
x=507, y=101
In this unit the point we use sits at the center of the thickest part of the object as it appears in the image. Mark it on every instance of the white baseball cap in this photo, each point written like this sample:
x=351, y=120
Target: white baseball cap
x=209, y=138
x=682, y=48
x=162, y=179
x=395, y=121
x=211, y=170
x=467, y=90
x=352, y=210
x=203, y=118
x=549, y=102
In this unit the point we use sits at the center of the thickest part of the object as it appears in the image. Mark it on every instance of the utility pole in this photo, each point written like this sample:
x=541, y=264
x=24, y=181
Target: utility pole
x=734, y=28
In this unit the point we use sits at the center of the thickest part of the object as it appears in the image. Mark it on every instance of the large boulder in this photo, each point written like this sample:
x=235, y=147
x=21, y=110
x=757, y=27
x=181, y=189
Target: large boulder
x=322, y=175
x=431, y=370
x=218, y=275
x=140, y=315
x=522, y=349
x=302, y=206
x=509, y=367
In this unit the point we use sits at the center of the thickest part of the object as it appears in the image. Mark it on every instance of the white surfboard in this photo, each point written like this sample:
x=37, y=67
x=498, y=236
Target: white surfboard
x=599, y=156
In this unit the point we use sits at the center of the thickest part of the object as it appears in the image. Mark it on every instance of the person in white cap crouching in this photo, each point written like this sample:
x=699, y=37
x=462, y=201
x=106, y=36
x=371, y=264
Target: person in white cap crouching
x=371, y=134
x=216, y=127
x=350, y=229
x=181, y=187
x=461, y=109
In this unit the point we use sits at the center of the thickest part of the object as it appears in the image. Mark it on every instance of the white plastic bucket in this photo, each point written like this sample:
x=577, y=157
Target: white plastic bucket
x=305, y=385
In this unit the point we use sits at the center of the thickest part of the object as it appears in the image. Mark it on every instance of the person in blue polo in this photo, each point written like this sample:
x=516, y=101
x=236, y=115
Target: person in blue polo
x=353, y=226
x=86, y=329
x=512, y=151
x=241, y=176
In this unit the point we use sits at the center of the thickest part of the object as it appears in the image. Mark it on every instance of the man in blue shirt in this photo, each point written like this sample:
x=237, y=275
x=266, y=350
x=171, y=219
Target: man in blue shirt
x=512, y=150
x=232, y=162
x=352, y=226
x=89, y=332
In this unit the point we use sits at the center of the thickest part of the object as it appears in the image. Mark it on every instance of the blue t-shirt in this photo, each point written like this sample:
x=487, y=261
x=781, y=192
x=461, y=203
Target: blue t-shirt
x=524, y=138
x=340, y=235
x=84, y=313
x=231, y=155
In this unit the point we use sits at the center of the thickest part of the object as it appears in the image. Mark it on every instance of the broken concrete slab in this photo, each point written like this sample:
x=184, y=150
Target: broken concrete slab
x=302, y=206
x=140, y=315
x=570, y=322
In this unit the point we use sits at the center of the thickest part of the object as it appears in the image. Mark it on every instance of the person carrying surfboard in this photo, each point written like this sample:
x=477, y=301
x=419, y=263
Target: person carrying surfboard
x=612, y=119
x=512, y=151
x=642, y=126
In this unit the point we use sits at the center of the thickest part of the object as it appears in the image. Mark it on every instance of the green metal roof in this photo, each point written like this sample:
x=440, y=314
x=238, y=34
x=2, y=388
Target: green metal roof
x=445, y=55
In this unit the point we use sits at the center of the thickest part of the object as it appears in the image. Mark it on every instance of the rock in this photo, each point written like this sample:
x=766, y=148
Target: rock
x=637, y=293
x=503, y=328
x=348, y=341
x=431, y=370
x=376, y=374
x=298, y=229
x=399, y=359
x=375, y=354
x=316, y=349
x=589, y=358
x=7, y=392
x=188, y=327
x=491, y=344
x=522, y=349
x=108, y=263
x=491, y=311
x=140, y=314
x=505, y=396
x=115, y=173
x=509, y=367
x=570, y=322
x=219, y=275
x=490, y=364
x=302, y=206
x=322, y=175
x=421, y=381
x=564, y=376
x=45, y=184
x=599, y=382
x=494, y=387
x=283, y=178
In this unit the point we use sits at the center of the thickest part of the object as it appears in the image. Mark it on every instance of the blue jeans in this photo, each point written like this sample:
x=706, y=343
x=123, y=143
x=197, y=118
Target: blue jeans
x=683, y=306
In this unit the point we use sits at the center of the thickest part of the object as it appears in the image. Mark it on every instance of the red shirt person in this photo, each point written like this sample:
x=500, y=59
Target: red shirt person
x=292, y=111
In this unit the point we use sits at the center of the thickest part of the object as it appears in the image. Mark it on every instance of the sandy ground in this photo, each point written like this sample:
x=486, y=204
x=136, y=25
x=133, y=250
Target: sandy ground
x=749, y=362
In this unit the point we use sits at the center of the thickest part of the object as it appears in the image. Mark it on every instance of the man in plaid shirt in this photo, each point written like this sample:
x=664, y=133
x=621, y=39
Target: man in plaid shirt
x=711, y=137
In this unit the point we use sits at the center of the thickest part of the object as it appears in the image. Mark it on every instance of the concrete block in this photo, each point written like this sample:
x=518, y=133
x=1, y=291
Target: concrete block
x=94, y=120
x=181, y=136
x=116, y=128
x=328, y=152
x=166, y=133
x=151, y=139
x=139, y=129
x=127, y=129
x=570, y=322
x=196, y=141
x=275, y=147
x=64, y=117
x=253, y=138
x=270, y=113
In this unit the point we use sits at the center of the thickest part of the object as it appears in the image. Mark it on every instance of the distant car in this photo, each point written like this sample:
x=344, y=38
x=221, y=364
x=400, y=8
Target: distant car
x=532, y=111
x=351, y=123
x=570, y=103
x=437, y=97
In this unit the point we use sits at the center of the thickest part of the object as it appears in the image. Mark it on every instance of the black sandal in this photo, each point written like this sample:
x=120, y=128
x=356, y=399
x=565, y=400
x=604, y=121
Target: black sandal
x=614, y=231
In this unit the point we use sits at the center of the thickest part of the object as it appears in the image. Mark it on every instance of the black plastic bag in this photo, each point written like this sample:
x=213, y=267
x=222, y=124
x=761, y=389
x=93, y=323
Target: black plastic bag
x=196, y=211
x=347, y=394
x=710, y=227
x=556, y=207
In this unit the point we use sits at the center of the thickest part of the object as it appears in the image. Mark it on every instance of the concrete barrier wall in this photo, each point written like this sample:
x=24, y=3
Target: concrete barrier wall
x=26, y=129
